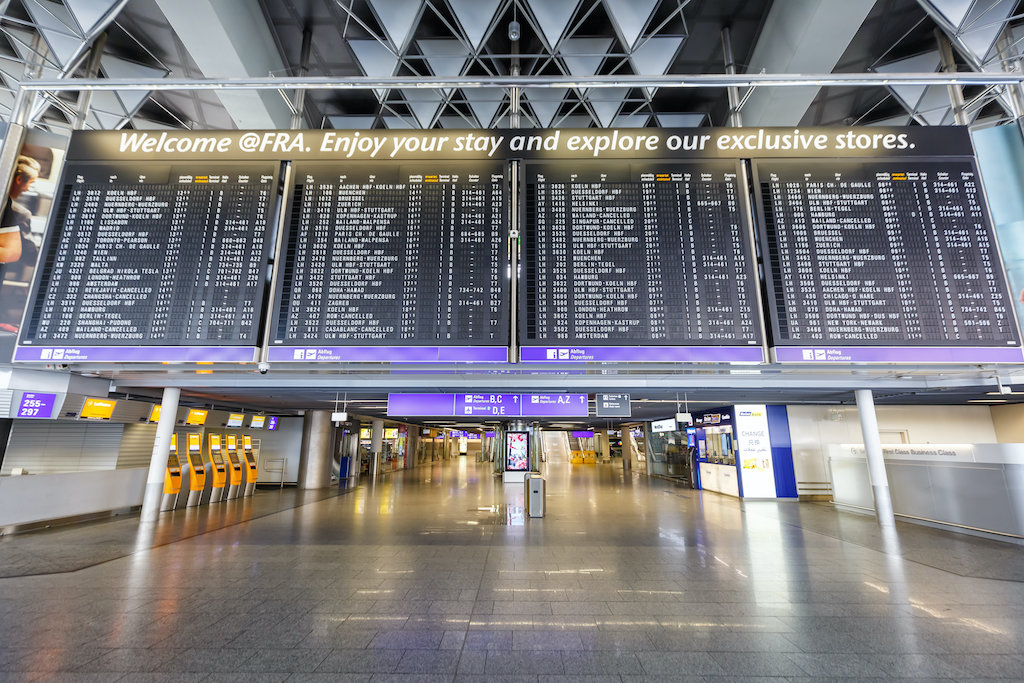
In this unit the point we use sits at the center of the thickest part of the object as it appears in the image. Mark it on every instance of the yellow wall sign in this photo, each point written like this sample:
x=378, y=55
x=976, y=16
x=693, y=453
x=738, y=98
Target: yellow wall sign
x=154, y=414
x=98, y=408
x=196, y=416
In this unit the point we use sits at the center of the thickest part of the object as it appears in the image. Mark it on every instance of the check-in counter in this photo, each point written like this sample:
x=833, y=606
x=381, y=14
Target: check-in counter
x=172, y=477
x=217, y=470
x=234, y=467
x=196, y=471
x=250, y=465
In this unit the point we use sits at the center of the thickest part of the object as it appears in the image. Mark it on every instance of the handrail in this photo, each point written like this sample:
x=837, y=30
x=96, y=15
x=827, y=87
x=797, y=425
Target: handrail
x=284, y=466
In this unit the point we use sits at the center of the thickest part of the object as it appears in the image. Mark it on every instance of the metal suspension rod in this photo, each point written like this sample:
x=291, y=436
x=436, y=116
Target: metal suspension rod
x=615, y=81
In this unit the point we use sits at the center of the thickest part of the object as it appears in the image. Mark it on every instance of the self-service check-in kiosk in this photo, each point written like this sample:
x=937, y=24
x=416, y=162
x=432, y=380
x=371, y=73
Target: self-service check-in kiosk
x=218, y=470
x=172, y=477
x=196, y=470
x=250, y=465
x=235, y=464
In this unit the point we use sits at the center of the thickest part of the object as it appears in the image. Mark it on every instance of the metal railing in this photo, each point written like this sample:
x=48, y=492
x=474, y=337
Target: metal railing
x=281, y=470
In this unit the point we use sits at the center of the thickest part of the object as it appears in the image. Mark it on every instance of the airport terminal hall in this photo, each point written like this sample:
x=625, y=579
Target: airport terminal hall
x=541, y=341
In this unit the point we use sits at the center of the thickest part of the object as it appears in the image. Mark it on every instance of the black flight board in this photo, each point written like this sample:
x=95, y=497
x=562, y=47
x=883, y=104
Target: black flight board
x=638, y=254
x=396, y=254
x=155, y=255
x=876, y=253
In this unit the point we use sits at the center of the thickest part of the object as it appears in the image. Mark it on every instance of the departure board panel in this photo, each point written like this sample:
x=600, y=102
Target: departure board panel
x=883, y=261
x=153, y=262
x=395, y=262
x=638, y=262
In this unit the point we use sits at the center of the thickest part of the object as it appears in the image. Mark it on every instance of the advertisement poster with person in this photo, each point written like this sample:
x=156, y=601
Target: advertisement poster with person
x=517, y=451
x=26, y=209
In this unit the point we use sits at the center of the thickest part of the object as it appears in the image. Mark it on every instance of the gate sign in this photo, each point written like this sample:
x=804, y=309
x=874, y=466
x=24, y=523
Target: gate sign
x=487, y=405
x=36, y=405
x=613, y=405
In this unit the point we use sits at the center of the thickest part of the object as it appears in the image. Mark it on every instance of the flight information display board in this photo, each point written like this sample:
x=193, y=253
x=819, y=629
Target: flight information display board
x=650, y=261
x=153, y=262
x=395, y=262
x=883, y=261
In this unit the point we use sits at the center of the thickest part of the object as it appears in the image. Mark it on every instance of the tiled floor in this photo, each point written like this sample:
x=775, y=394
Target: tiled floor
x=435, y=574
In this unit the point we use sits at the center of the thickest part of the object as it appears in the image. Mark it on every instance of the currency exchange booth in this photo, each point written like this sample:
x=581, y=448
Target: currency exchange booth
x=744, y=451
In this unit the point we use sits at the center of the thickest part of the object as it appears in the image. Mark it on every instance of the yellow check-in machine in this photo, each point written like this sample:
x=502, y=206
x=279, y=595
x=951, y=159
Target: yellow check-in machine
x=218, y=469
x=172, y=477
x=235, y=465
x=196, y=470
x=250, y=465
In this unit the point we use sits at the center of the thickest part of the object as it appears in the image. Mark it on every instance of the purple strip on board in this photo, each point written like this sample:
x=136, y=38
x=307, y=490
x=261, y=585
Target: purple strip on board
x=421, y=405
x=897, y=354
x=390, y=354
x=135, y=354
x=643, y=354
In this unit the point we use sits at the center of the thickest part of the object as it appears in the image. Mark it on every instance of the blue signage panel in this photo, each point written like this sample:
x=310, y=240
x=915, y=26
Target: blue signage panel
x=487, y=405
x=36, y=405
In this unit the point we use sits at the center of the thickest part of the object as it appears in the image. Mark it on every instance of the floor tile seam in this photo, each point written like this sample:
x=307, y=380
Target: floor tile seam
x=198, y=534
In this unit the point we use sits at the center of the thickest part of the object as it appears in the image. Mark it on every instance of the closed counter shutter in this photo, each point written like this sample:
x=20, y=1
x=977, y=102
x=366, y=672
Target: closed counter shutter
x=53, y=447
x=136, y=446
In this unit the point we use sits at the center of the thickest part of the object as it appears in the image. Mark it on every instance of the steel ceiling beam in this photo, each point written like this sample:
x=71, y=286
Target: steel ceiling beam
x=614, y=81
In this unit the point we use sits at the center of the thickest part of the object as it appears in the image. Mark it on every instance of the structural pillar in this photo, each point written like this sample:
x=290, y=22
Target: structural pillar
x=376, y=445
x=627, y=452
x=956, y=93
x=353, y=453
x=315, y=458
x=876, y=463
x=161, y=448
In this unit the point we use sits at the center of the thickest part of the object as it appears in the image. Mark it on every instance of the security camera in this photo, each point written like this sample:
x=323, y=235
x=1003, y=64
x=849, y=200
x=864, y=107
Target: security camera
x=264, y=368
x=513, y=30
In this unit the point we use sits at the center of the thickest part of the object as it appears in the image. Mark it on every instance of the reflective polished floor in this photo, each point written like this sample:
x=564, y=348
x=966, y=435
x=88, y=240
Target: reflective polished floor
x=436, y=574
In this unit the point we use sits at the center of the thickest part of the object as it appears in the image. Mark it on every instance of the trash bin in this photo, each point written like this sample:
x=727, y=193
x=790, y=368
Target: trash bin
x=526, y=486
x=535, y=496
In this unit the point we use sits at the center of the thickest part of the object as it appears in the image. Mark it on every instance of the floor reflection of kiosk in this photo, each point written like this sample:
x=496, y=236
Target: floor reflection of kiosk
x=196, y=470
x=218, y=470
x=250, y=465
x=172, y=477
x=235, y=465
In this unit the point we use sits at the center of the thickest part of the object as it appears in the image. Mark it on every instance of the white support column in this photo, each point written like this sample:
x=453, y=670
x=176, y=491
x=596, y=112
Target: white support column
x=876, y=463
x=161, y=448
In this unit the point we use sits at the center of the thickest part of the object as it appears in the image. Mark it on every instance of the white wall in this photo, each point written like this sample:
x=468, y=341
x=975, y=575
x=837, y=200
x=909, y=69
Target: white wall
x=812, y=428
x=1009, y=423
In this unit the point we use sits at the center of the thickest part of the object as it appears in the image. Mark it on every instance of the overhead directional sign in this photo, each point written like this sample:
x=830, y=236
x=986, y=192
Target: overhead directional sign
x=613, y=405
x=487, y=405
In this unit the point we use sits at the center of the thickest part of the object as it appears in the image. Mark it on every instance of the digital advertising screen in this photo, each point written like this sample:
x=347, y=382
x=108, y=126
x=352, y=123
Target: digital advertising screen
x=235, y=420
x=517, y=451
x=257, y=421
